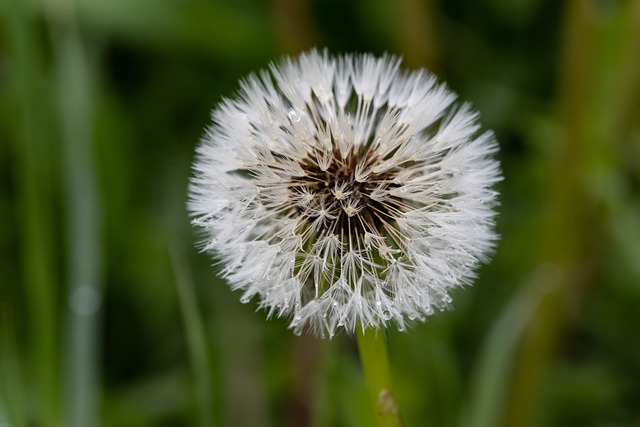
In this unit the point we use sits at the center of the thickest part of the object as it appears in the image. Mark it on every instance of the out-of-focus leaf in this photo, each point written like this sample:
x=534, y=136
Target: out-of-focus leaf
x=488, y=395
x=192, y=26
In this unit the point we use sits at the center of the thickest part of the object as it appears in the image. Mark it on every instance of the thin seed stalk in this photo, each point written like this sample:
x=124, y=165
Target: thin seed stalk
x=375, y=364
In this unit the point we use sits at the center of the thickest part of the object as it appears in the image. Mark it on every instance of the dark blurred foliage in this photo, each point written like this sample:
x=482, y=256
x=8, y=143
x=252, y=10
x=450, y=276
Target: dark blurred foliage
x=110, y=316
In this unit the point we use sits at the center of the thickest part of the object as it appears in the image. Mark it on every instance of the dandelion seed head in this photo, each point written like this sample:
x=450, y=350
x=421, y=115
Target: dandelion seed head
x=345, y=192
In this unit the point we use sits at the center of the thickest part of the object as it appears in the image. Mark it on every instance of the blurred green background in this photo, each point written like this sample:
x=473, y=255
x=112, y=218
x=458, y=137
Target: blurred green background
x=108, y=316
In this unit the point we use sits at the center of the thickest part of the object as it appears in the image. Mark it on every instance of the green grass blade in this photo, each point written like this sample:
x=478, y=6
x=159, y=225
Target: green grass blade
x=83, y=221
x=491, y=377
x=12, y=396
x=32, y=150
x=195, y=336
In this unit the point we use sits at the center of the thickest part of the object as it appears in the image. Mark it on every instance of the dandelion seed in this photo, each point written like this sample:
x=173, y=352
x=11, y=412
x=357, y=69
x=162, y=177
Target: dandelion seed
x=345, y=191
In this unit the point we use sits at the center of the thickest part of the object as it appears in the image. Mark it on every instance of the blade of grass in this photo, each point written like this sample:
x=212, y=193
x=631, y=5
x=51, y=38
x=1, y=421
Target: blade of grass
x=626, y=96
x=490, y=378
x=195, y=336
x=12, y=397
x=83, y=210
x=32, y=150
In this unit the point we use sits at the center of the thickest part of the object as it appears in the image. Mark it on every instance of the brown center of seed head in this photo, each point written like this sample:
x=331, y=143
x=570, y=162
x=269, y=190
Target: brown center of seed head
x=346, y=203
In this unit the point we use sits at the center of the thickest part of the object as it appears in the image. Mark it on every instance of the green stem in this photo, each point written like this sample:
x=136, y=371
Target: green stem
x=375, y=364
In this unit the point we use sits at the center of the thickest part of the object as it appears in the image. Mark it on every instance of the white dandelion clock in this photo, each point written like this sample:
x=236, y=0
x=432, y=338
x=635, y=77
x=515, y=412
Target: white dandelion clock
x=345, y=192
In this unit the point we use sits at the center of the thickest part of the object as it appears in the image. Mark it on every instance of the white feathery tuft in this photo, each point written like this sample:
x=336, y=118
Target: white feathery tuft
x=345, y=192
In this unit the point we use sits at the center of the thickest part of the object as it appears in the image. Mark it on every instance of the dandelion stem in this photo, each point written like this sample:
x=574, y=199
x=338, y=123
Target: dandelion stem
x=375, y=364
